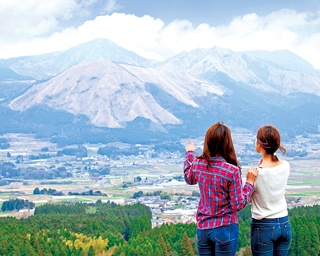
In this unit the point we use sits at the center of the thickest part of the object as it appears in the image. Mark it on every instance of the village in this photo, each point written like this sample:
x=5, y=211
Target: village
x=151, y=178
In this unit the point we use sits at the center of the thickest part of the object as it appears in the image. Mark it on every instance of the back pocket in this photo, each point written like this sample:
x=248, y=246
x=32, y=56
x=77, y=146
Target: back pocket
x=223, y=234
x=265, y=235
x=288, y=234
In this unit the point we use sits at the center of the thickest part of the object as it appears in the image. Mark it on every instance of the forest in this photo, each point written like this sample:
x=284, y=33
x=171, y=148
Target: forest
x=105, y=229
x=16, y=204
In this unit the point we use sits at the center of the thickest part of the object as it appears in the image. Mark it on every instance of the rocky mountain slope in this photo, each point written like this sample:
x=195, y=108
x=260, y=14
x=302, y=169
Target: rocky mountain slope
x=113, y=88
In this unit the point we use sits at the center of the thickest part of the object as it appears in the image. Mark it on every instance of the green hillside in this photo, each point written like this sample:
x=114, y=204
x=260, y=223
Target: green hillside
x=111, y=229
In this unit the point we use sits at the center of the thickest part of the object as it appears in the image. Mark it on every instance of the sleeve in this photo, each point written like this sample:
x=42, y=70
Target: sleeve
x=189, y=174
x=239, y=196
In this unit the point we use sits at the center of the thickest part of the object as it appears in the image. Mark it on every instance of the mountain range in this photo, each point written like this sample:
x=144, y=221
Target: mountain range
x=100, y=92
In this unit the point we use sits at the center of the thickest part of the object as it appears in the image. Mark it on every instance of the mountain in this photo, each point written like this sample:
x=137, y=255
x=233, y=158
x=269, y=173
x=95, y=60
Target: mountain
x=205, y=63
x=100, y=91
x=284, y=59
x=284, y=71
x=108, y=94
x=45, y=66
x=280, y=71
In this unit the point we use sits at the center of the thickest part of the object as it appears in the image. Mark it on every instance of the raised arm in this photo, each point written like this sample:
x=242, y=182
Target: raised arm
x=189, y=174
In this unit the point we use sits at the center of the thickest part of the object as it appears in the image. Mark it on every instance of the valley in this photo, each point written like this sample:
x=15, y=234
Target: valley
x=151, y=177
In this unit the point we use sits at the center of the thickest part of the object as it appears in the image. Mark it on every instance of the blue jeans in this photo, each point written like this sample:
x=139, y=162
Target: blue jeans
x=218, y=241
x=271, y=237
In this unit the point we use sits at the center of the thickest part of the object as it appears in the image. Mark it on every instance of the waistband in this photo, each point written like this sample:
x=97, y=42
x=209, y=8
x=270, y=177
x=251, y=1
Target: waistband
x=271, y=220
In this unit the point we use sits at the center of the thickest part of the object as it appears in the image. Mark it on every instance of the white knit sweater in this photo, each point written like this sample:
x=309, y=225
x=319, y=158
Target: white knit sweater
x=268, y=200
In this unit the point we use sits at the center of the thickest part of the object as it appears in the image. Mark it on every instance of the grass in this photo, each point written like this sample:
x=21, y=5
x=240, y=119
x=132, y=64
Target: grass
x=39, y=204
x=75, y=199
x=301, y=175
x=309, y=182
x=305, y=193
x=117, y=196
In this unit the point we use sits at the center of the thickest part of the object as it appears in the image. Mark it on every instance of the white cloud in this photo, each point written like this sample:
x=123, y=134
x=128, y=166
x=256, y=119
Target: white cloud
x=152, y=38
x=26, y=19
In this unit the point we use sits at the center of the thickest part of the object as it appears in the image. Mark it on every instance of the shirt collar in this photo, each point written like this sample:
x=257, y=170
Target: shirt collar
x=218, y=158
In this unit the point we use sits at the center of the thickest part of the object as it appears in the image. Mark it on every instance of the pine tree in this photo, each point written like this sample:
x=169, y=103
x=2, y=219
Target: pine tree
x=56, y=251
x=186, y=246
x=158, y=251
x=16, y=253
x=91, y=251
x=163, y=246
x=314, y=236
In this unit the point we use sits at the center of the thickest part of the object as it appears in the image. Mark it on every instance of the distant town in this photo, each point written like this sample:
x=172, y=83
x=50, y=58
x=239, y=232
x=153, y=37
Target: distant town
x=40, y=172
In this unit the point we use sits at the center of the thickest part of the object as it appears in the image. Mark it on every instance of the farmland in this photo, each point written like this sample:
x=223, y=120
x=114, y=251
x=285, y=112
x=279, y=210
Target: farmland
x=147, y=172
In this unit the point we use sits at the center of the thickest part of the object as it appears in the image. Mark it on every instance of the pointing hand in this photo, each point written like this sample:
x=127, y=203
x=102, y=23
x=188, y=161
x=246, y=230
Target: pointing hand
x=191, y=146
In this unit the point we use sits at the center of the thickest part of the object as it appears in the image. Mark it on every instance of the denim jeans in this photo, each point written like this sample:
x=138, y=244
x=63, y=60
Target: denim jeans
x=218, y=241
x=271, y=237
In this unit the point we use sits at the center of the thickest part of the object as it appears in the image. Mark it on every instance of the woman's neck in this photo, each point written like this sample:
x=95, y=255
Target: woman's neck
x=269, y=160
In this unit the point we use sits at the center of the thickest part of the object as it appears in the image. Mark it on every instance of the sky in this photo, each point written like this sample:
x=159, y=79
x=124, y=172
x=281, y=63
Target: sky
x=159, y=29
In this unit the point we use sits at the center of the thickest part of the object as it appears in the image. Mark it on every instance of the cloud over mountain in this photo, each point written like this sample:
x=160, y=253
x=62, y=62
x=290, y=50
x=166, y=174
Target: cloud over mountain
x=159, y=30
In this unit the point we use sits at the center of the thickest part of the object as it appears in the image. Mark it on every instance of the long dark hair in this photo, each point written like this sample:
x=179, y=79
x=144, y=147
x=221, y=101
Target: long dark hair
x=269, y=138
x=218, y=142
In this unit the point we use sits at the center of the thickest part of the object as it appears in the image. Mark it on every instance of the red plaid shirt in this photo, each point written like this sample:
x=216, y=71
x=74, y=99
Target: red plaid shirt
x=221, y=192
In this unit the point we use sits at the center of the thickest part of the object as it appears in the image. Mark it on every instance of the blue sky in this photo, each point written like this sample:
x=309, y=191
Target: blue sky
x=212, y=12
x=159, y=29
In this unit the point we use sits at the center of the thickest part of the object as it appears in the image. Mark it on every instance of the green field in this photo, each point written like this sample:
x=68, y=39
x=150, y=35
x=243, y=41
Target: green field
x=304, y=179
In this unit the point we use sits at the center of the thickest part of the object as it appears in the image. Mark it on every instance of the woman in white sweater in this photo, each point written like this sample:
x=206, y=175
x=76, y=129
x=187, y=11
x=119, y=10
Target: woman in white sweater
x=270, y=227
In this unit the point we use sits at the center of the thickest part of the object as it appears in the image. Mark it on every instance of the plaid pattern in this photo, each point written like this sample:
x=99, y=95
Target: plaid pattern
x=221, y=192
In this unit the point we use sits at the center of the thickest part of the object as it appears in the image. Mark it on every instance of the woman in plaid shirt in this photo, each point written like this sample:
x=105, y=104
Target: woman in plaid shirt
x=218, y=175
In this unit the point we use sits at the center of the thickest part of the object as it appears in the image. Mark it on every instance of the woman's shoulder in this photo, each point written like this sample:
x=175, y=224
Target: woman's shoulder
x=285, y=163
x=231, y=167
